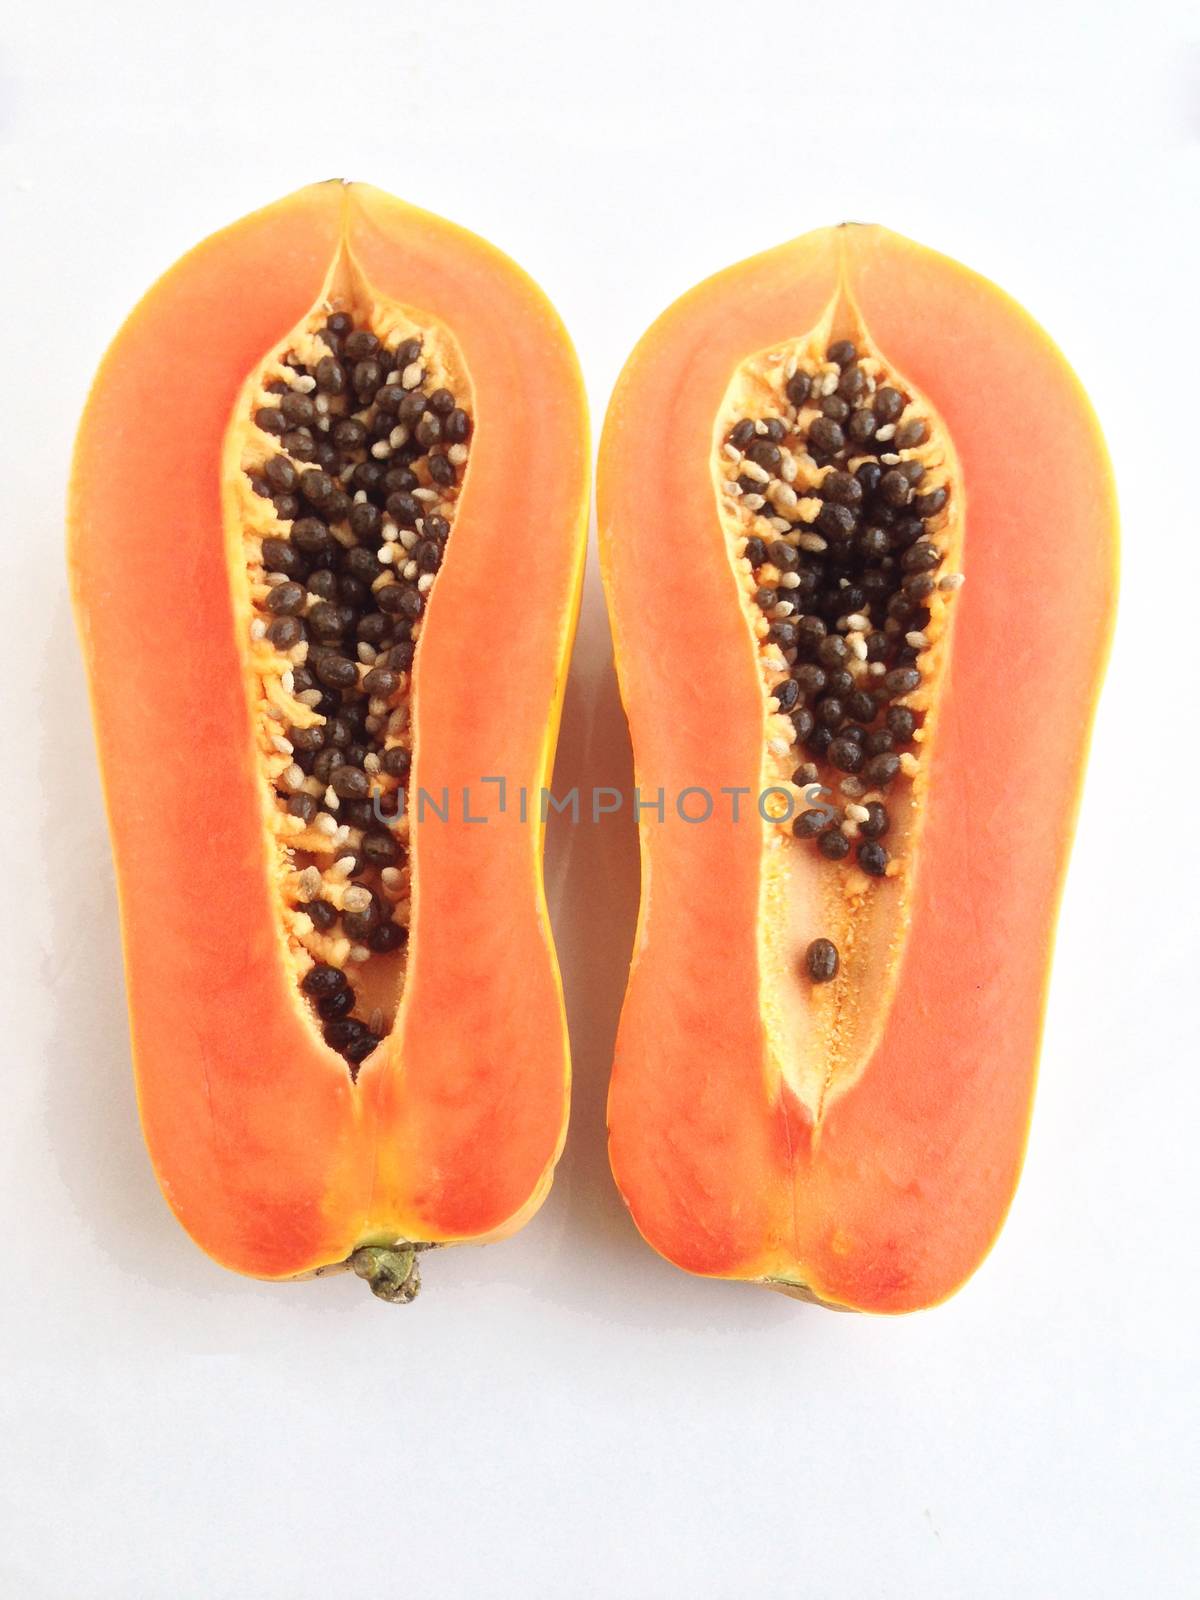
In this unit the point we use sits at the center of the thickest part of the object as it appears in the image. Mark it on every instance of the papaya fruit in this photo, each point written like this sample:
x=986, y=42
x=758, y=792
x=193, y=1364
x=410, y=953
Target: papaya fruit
x=326, y=592
x=858, y=538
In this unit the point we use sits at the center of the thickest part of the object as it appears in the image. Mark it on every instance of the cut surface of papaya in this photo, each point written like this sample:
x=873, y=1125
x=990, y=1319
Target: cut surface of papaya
x=326, y=530
x=860, y=680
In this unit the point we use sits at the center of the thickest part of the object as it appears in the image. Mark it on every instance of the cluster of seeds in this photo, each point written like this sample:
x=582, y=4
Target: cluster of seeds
x=842, y=496
x=360, y=453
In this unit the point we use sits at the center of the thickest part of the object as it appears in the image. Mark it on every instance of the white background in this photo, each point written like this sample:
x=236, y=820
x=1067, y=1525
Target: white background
x=565, y=1414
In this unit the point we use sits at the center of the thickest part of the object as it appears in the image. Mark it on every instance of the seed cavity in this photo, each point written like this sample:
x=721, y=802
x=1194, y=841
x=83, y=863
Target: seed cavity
x=839, y=493
x=358, y=448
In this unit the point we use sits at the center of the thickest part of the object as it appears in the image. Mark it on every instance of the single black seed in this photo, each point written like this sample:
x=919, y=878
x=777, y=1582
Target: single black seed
x=328, y=622
x=919, y=586
x=833, y=651
x=350, y=783
x=826, y=437
x=336, y=1004
x=869, y=474
x=285, y=632
x=323, y=915
x=316, y=486
x=894, y=488
x=327, y=763
x=841, y=487
x=321, y=981
x=280, y=555
x=928, y=505
x=404, y=509
x=842, y=352
x=876, y=822
x=742, y=433
x=442, y=472
x=830, y=711
x=900, y=680
x=767, y=598
x=811, y=678
x=270, y=419
x=837, y=523
x=368, y=375
x=359, y=925
x=361, y=345
x=787, y=694
x=396, y=762
x=798, y=386
x=299, y=409
x=387, y=936
x=379, y=681
x=412, y=408
x=819, y=740
x=365, y=520
x=835, y=408
x=359, y=1048
x=350, y=434
x=285, y=599
x=861, y=427
x=303, y=806
x=428, y=555
x=379, y=847
x=766, y=455
x=808, y=824
x=852, y=384
x=846, y=754
x=324, y=584
x=803, y=722
x=910, y=434
x=812, y=632
x=308, y=740
x=457, y=427
x=805, y=774
x=821, y=960
x=428, y=431
x=887, y=404
x=330, y=375
x=300, y=444
x=880, y=770
x=878, y=742
x=833, y=845
x=335, y=671
x=921, y=557
x=861, y=705
x=873, y=858
x=901, y=723
x=841, y=683
x=873, y=543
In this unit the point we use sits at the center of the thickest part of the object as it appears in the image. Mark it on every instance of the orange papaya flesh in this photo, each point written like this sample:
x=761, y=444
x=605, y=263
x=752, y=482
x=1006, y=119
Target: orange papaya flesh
x=826, y=1056
x=345, y=1009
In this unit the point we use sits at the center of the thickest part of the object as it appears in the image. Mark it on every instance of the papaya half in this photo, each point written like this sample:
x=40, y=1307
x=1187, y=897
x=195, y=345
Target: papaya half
x=326, y=531
x=858, y=539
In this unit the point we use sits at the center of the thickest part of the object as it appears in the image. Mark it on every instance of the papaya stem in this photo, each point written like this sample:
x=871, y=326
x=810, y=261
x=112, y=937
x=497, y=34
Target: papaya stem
x=392, y=1272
